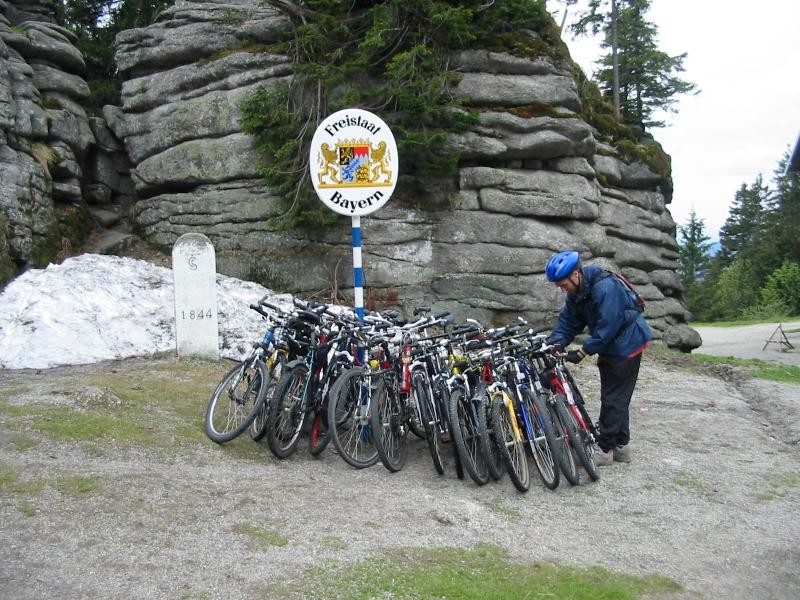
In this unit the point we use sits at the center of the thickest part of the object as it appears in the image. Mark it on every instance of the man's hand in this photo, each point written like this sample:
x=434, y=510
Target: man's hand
x=556, y=349
x=575, y=356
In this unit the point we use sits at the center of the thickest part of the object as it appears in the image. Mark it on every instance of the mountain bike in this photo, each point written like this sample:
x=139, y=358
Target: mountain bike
x=572, y=412
x=303, y=393
x=241, y=394
x=521, y=420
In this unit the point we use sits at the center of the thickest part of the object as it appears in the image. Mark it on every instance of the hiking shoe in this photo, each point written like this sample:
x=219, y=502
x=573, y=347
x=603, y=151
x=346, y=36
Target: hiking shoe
x=603, y=459
x=622, y=454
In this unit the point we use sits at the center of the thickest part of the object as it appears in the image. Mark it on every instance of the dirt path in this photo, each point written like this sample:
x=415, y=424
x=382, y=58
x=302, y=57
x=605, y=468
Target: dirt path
x=711, y=501
x=749, y=341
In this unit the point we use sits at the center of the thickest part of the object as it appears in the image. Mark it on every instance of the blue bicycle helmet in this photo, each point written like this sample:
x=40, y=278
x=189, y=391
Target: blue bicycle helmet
x=562, y=264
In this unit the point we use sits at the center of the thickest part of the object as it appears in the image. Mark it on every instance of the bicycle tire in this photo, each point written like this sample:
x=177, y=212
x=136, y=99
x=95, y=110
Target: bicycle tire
x=587, y=444
x=511, y=450
x=494, y=462
x=543, y=443
x=576, y=438
x=348, y=420
x=586, y=431
x=287, y=412
x=236, y=401
x=465, y=436
x=318, y=435
x=258, y=428
x=389, y=423
x=441, y=397
x=419, y=388
x=563, y=430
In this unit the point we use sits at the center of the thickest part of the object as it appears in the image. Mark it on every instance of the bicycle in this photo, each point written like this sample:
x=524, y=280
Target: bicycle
x=465, y=409
x=571, y=410
x=304, y=388
x=241, y=394
x=521, y=421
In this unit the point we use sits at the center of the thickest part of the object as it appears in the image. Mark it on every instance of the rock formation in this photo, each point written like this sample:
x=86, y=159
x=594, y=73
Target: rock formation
x=59, y=167
x=527, y=186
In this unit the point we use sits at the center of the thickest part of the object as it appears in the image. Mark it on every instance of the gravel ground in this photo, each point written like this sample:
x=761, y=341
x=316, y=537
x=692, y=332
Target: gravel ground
x=711, y=500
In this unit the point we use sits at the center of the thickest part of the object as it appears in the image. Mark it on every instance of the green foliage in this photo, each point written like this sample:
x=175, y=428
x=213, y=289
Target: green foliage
x=782, y=289
x=598, y=111
x=736, y=288
x=389, y=56
x=755, y=273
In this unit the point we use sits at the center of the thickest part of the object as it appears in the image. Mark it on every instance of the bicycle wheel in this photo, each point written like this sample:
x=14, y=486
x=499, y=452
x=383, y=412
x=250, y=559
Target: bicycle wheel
x=318, y=436
x=236, y=401
x=541, y=441
x=348, y=419
x=465, y=436
x=287, y=412
x=441, y=398
x=494, y=462
x=561, y=431
x=510, y=443
x=389, y=423
x=576, y=437
x=419, y=386
x=258, y=428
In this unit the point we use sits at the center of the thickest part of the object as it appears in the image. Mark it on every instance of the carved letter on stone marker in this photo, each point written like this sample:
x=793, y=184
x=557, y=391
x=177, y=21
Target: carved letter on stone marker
x=195, y=273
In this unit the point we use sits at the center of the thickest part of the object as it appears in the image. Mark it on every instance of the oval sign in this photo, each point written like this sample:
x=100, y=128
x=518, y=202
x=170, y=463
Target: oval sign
x=353, y=164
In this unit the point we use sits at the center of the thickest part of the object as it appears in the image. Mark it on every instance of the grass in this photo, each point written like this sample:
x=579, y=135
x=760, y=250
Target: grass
x=743, y=322
x=482, y=573
x=76, y=485
x=779, y=487
x=160, y=407
x=754, y=367
x=500, y=507
x=260, y=538
x=687, y=480
x=332, y=542
x=11, y=482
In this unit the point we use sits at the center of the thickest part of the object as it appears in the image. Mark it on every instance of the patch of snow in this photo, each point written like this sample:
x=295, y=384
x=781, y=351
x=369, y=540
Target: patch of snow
x=92, y=308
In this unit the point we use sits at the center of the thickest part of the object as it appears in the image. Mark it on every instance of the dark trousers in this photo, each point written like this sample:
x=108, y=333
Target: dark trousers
x=617, y=380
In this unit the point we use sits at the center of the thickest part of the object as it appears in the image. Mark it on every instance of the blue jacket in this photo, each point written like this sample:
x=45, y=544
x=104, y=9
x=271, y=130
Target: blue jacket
x=616, y=327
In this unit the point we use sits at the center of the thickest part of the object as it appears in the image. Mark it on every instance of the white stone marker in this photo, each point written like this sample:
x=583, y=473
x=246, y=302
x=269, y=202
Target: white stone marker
x=194, y=269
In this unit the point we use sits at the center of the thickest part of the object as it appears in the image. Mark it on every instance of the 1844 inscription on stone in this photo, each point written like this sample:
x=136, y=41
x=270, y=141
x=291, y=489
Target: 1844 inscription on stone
x=195, y=273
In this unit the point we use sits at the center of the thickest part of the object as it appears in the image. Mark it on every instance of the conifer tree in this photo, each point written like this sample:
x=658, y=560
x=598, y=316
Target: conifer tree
x=693, y=262
x=638, y=77
x=783, y=215
x=745, y=224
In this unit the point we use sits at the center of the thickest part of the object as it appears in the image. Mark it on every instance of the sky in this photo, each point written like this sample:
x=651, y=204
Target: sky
x=93, y=308
x=745, y=59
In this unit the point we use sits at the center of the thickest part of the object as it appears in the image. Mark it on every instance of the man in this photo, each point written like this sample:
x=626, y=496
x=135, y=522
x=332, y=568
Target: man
x=619, y=333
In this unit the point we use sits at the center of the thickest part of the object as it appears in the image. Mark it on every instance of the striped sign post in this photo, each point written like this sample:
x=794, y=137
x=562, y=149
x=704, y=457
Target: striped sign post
x=354, y=170
x=358, y=270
